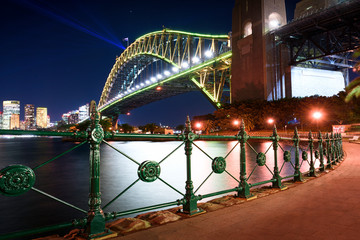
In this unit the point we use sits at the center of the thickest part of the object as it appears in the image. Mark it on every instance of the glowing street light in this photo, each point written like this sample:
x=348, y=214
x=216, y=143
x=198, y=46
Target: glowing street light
x=270, y=121
x=236, y=122
x=198, y=125
x=317, y=115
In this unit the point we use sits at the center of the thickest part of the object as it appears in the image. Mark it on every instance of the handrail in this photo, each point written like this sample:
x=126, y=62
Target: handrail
x=327, y=150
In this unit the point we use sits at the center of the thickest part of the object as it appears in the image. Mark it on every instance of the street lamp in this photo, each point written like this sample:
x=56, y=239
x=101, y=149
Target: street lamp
x=270, y=121
x=198, y=125
x=317, y=115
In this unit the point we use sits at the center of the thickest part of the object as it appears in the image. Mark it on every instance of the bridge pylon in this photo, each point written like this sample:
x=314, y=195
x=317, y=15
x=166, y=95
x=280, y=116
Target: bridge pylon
x=256, y=61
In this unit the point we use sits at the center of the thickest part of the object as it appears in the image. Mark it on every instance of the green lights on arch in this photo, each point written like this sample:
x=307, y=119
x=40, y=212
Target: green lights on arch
x=208, y=95
x=156, y=44
x=168, y=31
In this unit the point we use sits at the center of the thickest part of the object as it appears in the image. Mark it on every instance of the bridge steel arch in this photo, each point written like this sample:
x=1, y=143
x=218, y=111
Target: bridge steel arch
x=173, y=61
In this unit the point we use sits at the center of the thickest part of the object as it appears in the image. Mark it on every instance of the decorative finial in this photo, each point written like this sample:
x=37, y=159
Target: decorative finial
x=274, y=131
x=242, y=126
x=296, y=134
x=188, y=125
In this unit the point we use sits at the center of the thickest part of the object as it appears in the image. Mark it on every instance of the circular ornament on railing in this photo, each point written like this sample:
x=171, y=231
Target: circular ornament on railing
x=97, y=135
x=218, y=165
x=16, y=180
x=317, y=154
x=304, y=155
x=149, y=171
x=287, y=156
x=191, y=136
x=261, y=159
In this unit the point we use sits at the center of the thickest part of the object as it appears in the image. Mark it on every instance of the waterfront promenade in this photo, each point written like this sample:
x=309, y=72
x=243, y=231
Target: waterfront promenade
x=324, y=208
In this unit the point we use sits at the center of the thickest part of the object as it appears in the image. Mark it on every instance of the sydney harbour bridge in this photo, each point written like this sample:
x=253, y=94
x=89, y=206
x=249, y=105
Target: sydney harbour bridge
x=237, y=66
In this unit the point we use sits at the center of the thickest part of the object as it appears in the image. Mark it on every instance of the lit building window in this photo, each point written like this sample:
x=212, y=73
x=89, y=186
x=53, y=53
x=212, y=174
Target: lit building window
x=247, y=29
x=275, y=21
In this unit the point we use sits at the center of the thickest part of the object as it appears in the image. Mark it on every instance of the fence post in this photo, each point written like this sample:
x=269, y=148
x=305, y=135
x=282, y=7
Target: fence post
x=337, y=147
x=332, y=145
x=298, y=174
x=312, y=164
x=328, y=152
x=276, y=177
x=341, y=147
x=190, y=204
x=95, y=225
x=244, y=191
x=321, y=153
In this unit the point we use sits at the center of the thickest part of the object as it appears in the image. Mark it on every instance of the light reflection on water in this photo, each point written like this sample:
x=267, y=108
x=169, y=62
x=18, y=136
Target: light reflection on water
x=67, y=177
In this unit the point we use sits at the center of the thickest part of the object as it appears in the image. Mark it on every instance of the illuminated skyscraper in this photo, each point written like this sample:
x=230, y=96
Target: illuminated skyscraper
x=1, y=119
x=73, y=118
x=15, y=121
x=11, y=107
x=41, y=117
x=29, y=117
x=65, y=117
x=83, y=112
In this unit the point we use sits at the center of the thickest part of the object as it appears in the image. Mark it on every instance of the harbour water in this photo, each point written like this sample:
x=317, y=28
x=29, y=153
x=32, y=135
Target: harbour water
x=67, y=178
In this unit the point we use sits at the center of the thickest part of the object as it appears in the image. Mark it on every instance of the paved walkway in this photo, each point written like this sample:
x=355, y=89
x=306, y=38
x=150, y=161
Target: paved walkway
x=324, y=208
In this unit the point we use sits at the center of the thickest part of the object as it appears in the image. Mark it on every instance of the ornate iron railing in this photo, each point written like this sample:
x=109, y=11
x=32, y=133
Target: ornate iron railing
x=326, y=151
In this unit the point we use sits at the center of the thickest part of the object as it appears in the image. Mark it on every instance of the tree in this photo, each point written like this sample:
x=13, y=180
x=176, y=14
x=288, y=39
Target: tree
x=180, y=127
x=83, y=126
x=127, y=128
x=106, y=124
x=150, y=127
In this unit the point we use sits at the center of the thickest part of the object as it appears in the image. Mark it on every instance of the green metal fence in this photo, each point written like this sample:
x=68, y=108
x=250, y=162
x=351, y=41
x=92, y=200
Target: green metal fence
x=326, y=150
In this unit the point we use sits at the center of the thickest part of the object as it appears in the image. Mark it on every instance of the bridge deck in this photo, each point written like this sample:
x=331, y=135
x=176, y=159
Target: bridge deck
x=324, y=208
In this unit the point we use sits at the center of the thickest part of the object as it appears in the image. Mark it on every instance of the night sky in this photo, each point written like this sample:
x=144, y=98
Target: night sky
x=58, y=53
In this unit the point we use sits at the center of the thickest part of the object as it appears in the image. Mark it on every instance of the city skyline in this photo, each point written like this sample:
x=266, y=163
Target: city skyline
x=10, y=116
x=61, y=53
x=31, y=121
